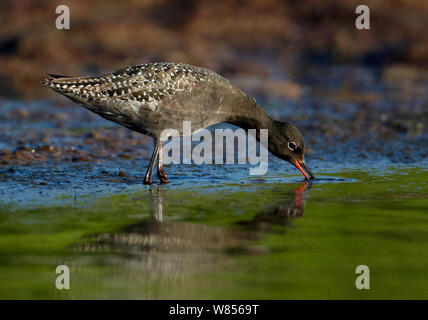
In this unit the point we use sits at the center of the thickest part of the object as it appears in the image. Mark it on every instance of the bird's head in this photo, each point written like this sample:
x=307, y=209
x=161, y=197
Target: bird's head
x=287, y=143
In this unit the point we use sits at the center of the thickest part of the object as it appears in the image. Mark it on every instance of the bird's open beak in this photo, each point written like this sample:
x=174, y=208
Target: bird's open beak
x=303, y=168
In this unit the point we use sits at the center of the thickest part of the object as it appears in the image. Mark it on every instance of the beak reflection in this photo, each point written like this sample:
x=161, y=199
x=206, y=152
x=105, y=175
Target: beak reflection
x=303, y=168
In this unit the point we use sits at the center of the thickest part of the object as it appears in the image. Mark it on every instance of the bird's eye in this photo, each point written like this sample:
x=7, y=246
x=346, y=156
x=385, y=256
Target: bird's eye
x=292, y=146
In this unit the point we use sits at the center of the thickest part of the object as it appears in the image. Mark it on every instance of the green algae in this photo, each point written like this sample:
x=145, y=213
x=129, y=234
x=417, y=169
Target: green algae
x=234, y=242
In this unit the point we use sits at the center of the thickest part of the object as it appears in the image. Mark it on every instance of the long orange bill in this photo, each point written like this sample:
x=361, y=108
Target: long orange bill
x=303, y=168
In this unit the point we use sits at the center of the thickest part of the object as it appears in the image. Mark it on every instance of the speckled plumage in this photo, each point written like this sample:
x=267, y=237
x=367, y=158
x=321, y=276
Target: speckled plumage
x=150, y=98
x=136, y=96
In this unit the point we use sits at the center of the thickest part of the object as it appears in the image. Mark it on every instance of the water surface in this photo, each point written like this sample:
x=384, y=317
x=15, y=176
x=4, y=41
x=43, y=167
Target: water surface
x=71, y=193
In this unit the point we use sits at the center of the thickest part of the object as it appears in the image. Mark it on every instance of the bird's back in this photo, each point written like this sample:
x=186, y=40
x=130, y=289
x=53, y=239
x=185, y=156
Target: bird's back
x=149, y=98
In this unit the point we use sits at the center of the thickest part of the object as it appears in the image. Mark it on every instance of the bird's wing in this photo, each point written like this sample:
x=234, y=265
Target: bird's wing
x=146, y=83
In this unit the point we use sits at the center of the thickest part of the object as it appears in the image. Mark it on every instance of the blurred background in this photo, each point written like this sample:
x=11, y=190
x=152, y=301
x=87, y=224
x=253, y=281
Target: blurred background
x=304, y=61
x=253, y=41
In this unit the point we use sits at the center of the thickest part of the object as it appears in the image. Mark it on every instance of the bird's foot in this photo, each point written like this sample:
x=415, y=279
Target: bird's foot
x=164, y=180
x=162, y=176
x=148, y=181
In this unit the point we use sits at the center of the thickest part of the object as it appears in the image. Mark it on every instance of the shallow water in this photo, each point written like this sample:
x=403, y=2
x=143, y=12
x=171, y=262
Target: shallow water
x=71, y=193
x=254, y=240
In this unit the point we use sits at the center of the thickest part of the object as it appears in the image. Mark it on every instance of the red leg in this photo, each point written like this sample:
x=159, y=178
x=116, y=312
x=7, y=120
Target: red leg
x=149, y=173
x=161, y=170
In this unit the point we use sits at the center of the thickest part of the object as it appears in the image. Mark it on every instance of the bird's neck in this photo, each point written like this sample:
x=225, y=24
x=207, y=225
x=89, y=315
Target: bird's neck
x=259, y=120
x=247, y=114
x=252, y=116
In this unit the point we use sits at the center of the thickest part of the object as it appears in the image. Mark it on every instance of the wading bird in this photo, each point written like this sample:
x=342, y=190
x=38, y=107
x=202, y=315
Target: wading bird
x=152, y=97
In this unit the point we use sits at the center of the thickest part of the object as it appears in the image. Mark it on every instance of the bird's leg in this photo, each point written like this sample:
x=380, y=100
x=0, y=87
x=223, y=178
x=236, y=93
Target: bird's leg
x=149, y=173
x=161, y=171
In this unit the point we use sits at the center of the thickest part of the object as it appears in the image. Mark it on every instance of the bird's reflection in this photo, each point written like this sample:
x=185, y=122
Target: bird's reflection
x=156, y=203
x=175, y=247
x=281, y=214
x=278, y=215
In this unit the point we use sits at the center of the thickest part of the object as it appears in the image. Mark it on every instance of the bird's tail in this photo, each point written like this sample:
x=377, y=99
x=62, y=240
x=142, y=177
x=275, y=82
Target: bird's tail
x=54, y=80
x=85, y=87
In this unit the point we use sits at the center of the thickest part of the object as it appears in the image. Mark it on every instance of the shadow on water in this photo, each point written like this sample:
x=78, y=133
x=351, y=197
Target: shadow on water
x=168, y=248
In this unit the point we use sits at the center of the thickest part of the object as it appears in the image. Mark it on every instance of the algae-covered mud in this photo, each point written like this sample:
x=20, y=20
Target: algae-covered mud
x=71, y=194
